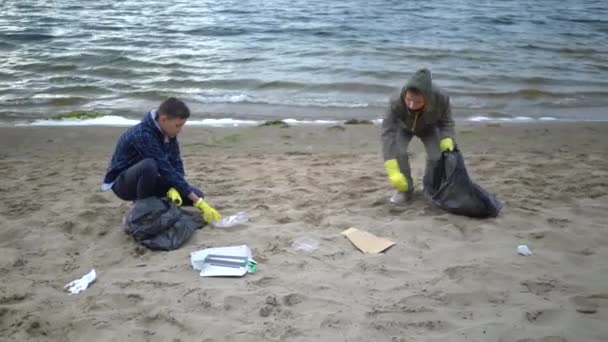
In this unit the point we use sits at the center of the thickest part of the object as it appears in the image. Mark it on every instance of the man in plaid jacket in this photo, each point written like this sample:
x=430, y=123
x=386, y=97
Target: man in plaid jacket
x=147, y=161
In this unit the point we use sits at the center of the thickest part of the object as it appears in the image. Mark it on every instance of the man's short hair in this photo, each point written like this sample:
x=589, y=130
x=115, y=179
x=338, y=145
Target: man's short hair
x=174, y=108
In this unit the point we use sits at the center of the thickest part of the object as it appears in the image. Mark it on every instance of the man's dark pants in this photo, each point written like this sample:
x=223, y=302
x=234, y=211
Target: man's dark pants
x=430, y=138
x=142, y=180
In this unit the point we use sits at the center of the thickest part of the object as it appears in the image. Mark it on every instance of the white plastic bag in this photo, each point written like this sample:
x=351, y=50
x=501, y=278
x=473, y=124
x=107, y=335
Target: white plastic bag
x=305, y=245
x=524, y=250
x=234, y=220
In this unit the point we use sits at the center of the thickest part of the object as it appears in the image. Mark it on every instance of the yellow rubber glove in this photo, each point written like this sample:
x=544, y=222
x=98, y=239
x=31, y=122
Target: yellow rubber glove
x=174, y=196
x=209, y=214
x=398, y=180
x=446, y=144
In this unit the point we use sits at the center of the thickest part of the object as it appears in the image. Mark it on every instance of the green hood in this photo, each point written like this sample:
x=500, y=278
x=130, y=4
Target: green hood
x=422, y=81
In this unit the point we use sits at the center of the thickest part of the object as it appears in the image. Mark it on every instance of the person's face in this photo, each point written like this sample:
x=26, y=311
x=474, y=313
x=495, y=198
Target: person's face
x=413, y=101
x=171, y=127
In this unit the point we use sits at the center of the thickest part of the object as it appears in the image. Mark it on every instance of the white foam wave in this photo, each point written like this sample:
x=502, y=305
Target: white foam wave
x=311, y=122
x=107, y=120
x=222, y=122
x=480, y=118
x=238, y=98
x=114, y=120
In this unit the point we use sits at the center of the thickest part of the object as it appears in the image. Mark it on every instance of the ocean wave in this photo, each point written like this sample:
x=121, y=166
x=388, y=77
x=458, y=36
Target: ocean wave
x=26, y=37
x=212, y=31
x=529, y=94
x=348, y=87
x=241, y=98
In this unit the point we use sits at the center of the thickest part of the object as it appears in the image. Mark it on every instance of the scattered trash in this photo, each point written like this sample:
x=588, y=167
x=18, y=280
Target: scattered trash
x=234, y=220
x=81, y=284
x=305, y=244
x=233, y=261
x=367, y=242
x=524, y=250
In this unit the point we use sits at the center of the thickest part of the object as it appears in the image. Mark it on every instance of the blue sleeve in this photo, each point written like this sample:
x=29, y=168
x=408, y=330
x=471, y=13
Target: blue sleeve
x=148, y=147
x=176, y=159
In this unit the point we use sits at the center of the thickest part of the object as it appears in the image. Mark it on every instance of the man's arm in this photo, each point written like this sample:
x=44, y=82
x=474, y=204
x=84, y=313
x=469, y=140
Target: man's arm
x=148, y=147
x=446, y=123
x=389, y=135
x=176, y=159
x=390, y=127
x=178, y=164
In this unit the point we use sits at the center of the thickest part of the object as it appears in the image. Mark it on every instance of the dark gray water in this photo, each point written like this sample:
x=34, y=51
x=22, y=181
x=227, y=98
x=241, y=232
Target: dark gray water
x=302, y=59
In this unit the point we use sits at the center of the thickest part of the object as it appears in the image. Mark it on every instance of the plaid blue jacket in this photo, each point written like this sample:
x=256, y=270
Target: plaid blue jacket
x=145, y=140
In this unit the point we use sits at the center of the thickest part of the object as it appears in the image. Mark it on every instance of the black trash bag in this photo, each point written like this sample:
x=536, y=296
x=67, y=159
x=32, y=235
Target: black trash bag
x=450, y=188
x=159, y=224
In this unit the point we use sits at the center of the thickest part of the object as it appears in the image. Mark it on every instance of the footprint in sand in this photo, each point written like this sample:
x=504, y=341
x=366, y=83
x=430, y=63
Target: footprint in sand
x=18, y=209
x=97, y=198
x=263, y=282
x=271, y=305
x=67, y=227
x=586, y=252
x=546, y=316
x=589, y=304
x=538, y=235
x=542, y=286
x=293, y=299
x=234, y=302
x=544, y=339
x=14, y=298
x=562, y=223
x=284, y=220
x=88, y=215
x=459, y=273
x=139, y=251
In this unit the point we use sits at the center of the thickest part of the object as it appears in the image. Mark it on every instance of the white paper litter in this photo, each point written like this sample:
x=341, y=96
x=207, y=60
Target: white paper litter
x=524, y=250
x=81, y=284
x=197, y=259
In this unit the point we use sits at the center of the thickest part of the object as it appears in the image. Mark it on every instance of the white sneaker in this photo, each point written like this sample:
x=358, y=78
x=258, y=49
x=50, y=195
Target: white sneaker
x=399, y=198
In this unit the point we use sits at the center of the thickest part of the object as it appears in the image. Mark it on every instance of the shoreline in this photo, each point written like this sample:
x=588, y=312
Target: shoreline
x=119, y=121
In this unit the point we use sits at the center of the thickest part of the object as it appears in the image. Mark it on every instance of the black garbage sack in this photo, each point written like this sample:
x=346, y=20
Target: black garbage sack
x=159, y=224
x=449, y=187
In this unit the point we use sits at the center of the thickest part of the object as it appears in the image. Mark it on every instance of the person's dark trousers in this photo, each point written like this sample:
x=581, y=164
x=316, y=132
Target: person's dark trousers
x=142, y=180
x=430, y=139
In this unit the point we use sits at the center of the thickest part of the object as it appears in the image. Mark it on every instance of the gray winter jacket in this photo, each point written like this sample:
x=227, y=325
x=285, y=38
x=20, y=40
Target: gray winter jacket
x=436, y=113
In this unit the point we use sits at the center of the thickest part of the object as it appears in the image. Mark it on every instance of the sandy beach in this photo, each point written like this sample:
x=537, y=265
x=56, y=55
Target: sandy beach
x=448, y=278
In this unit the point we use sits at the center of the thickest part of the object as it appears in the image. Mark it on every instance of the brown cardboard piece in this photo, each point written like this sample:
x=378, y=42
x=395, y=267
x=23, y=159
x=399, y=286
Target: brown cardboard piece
x=367, y=242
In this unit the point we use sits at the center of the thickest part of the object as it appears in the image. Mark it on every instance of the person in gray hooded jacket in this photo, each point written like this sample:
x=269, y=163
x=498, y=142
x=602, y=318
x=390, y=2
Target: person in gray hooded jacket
x=421, y=110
